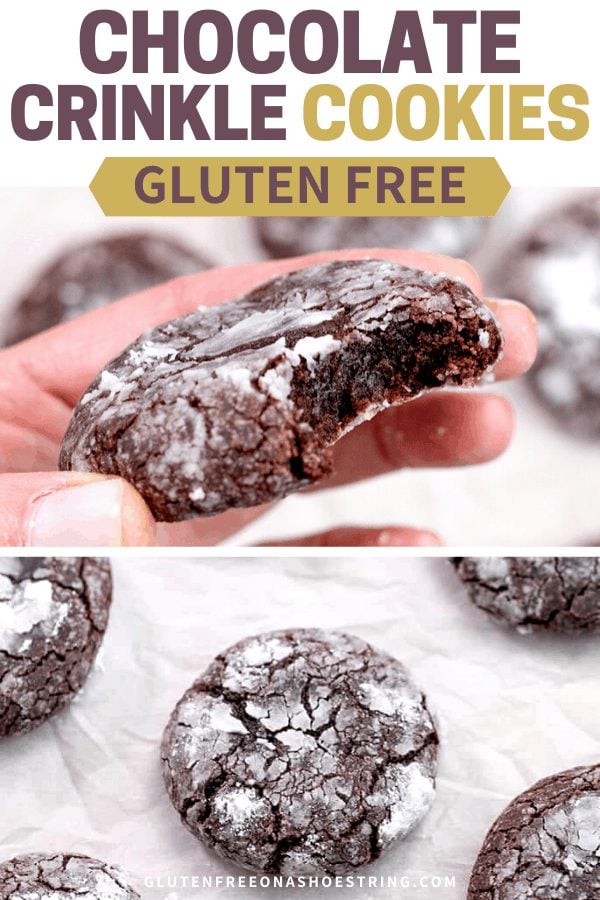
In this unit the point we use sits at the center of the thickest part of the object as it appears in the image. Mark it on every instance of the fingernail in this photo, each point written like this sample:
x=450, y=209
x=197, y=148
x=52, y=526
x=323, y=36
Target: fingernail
x=428, y=539
x=398, y=537
x=88, y=515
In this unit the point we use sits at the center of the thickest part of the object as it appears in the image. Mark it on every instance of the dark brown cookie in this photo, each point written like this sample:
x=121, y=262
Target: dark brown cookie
x=53, y=614
x=92, y=274
x=301, y=752
x=551, y=593
x=546, y=843
x=239, y=404
x=59, y=876
x=556, y=271
x=293, y=236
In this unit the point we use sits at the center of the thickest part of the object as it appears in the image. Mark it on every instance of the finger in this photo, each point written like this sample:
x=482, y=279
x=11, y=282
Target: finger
x=66, y=359
x=520, y=338
x=61, y=509
x=355, y=536
x=446, y=429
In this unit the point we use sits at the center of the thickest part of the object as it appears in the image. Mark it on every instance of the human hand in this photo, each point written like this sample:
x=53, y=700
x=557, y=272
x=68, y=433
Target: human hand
x=42, y=379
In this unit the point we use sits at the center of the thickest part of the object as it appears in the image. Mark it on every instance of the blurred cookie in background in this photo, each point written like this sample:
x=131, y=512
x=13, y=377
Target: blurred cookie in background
x=94, y=273
x=556, y=271
x=282, y=236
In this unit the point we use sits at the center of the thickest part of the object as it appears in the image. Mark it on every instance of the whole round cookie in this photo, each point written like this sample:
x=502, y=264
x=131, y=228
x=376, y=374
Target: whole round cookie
x=551, y=593
x=240, y=404
x=301, y=752
x=283, y=236
x=58, y=876
x=556, y=271
x=93, y=274
x=546, y=843
x=53, y=614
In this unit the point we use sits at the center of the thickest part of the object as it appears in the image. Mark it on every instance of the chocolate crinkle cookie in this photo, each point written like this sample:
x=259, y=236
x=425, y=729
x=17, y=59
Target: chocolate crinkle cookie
x=239, y=404
x=556, y=271
x=60, y=876
x=301, y=752
x=293, y=236
x=53, y=615
x=93, y=274
x=551, y=593
x=546, y=843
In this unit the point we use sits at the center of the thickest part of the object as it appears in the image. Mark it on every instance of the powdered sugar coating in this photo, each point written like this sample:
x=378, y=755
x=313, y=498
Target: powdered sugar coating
x=249, y=396
x=556, y=271
x=546, y=843
x=61, y=876
x=536, y=592
x=301, y=752
x=53, y=614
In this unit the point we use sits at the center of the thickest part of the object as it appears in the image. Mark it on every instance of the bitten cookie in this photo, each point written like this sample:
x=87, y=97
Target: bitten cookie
x=301, y=752
x=53, y=614
x=293, y=236
x=546, y=843
x=92, y=274
x=239, y=404
x=550, y=593
x=556, y=271
x=58, y=876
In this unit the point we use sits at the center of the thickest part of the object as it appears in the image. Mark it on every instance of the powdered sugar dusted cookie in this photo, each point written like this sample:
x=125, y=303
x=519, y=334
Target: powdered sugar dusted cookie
x=239, y=404
x=301, y=752
x=59, y=876
x=546, y=843
x=293, y=236
x=551, y=593
x=95, y=273
x=557, y=272
x=53, y=614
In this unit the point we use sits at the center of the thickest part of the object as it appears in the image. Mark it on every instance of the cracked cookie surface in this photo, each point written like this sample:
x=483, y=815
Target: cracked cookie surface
x=239, y=404
x=53, y=615
x=294, y=236
x=552, y=593
x=93, y=274
x=546, y=843
x=301, y=752
x=59, y=876
x=556, y=271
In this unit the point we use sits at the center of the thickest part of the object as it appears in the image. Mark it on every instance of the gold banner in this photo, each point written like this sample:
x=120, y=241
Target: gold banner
x=294, y=186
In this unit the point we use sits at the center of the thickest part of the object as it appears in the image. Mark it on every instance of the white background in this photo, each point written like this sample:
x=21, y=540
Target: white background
x=510, y=710
x=557, y=43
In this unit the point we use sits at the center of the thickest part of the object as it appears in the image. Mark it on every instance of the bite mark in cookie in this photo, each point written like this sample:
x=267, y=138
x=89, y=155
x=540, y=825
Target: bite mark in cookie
x=240, y=404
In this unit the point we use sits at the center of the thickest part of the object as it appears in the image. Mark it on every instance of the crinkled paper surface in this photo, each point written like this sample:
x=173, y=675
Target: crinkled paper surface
x=510, y=708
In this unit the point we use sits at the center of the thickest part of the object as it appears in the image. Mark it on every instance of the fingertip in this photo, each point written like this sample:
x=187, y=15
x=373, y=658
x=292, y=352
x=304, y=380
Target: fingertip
x=493, y=427
x=519, y=326
x=408, y=537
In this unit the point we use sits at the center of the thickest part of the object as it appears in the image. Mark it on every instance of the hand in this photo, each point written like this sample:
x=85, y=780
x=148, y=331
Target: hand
x=42, y=379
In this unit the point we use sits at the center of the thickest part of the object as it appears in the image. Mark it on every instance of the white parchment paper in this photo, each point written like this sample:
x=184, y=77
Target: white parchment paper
x=510, y=709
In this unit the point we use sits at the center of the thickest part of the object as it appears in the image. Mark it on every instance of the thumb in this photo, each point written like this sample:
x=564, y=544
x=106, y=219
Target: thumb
x=64, y=509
